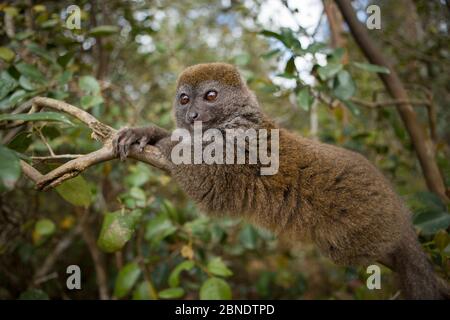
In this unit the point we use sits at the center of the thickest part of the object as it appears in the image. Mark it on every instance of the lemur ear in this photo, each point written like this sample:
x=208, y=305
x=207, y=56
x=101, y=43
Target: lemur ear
x=217, y=71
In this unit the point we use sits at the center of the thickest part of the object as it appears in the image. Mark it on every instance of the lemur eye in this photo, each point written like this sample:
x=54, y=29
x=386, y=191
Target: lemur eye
x=211, y=95
x=184, y=98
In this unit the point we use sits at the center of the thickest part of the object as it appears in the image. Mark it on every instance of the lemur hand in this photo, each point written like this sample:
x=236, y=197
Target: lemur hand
x=125, y=137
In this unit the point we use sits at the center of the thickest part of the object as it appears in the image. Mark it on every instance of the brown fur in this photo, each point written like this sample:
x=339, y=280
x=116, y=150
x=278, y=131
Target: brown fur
x=322, y=193
x=222, y=72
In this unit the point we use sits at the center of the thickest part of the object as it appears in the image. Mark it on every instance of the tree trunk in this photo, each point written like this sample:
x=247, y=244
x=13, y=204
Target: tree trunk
x=338, y=40
x=422, y=144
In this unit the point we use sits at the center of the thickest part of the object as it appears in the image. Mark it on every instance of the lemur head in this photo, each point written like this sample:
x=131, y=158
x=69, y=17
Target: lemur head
x=216, y=95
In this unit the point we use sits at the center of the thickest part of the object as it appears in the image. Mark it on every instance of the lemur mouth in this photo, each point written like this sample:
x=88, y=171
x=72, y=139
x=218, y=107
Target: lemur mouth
x=203, y=125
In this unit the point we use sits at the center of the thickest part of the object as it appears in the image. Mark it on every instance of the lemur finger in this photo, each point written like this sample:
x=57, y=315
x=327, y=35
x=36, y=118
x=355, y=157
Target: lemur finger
x=121, y=152
x=123, y=147
x=115, y=145
x=117, y=139
x=127, y=144
x=142, y=143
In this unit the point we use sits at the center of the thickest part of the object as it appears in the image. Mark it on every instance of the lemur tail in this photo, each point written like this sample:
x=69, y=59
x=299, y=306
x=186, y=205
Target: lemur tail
x=418, y=281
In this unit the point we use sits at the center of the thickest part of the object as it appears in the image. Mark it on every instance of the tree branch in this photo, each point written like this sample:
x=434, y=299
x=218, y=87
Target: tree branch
x=57, y=157
x=97, y=257
x=376, y=104
x=422, y=144
x=100, y=132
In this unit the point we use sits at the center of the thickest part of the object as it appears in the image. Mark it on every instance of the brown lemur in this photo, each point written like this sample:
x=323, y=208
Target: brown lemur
x=322, y=193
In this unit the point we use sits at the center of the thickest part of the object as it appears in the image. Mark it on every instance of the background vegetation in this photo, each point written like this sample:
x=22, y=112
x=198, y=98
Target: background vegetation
x=131, y=230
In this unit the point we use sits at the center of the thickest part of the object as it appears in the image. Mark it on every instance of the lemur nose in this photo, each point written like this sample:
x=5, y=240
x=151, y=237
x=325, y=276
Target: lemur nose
x=193, y=116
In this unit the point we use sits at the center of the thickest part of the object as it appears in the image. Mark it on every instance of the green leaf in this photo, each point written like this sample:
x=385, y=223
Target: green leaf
x=316, y=47
x=304, y=99
x=290, y=66
x=117, y=229
x=215, y=289
x=89, y=85
x=286, y=36
x=446, y=251
x=76, y=191
x=441, y=240
x=429, y=223
x=137, y=193
x=289, y=39
x=218, y=268
x=50, y=132
x=286, y=75
x=142, y=292
x=126, y=279
x=344, y=87
x=198, y=227
x=169, y=209
x=58, y=94
x=28, y=84
x=270, y=54
x=64, y=60
x=17, y=96
x=23, y=35
x=39, y=116
x=336, y=55
x=51, y=23
x=105, y=30
x=90, y=101
x=44, y=228
x=352, y=107
x=65, y=77
x=248, y=237
x=171, y=293
x=11, y=11
x=371, y=67
x=9, y=168
x=271, y=34
x=39, y=51
x=139, y=175
x=7, y=84
x=39, y=8
x=329, y=70
x=31, y=72
x=159, y=228
x=174, y=278
x=6, y=54
x=425, y=202
x=21, y=142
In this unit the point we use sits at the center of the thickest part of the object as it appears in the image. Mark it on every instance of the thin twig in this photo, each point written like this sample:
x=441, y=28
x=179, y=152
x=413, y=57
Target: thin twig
x=57, y=156
x=97, y=258
x=386, y=103
x=46, y=278
x=44, y=140
x=431, y=110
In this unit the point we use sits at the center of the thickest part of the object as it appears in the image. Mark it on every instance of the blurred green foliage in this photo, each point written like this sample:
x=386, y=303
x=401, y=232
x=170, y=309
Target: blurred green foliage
x=129, y=221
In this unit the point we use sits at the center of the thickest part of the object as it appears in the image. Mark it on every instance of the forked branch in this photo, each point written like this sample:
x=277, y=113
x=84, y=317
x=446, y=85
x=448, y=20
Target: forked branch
x=100, y=132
